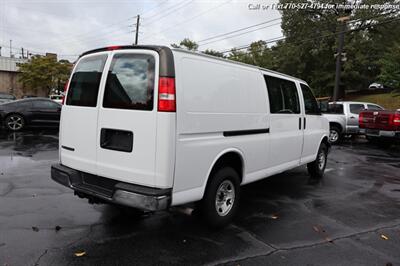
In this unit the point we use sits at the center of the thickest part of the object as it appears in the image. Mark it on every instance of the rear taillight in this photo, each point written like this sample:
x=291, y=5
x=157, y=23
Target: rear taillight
x=65, y=92
x=166, y=95
x=361, y=120
x=396, y=119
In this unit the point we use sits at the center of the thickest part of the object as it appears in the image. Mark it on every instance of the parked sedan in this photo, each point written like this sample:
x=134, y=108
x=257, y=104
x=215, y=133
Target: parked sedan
x=30, y=112
x=6, y=97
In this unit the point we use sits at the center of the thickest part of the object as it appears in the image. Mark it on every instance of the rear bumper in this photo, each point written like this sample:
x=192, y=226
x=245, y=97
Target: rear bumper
x=352, y=130
x=380, y=133
x=109, y=190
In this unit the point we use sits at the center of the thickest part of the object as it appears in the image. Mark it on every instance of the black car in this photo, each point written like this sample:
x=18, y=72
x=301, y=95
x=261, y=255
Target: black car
x=6, y=97
x=30, y=112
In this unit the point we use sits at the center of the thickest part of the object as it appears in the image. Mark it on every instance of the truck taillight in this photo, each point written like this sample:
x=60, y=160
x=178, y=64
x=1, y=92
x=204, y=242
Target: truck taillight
x=396, y=119
x=65, y=92
x=166, y=95
x=361, y=120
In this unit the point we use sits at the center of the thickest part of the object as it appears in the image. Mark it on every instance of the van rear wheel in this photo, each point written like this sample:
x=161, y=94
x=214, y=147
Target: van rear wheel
x=221, y=198
x=316, y=168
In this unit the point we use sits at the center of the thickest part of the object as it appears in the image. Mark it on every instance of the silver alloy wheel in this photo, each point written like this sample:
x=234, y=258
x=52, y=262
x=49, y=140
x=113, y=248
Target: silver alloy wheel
x=321, y=160
x=225, y=198
x=333, y=136
x=15, y=122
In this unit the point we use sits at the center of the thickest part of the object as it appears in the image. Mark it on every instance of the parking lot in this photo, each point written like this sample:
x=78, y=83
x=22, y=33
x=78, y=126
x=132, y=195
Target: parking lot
x=351, y=217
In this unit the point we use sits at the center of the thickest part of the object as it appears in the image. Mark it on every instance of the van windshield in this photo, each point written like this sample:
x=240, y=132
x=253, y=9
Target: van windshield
x=130, y=82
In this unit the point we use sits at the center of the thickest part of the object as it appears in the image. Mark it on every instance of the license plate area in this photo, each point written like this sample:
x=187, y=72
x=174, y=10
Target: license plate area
x=372, y=132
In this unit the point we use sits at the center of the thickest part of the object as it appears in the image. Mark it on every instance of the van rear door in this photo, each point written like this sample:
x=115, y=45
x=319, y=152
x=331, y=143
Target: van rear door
x=78, y=127
x=127, y=121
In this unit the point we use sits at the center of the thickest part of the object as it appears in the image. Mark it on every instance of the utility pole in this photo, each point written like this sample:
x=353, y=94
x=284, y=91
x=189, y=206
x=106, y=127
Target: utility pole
x=339, y=60
x=340, y=56
x=137, y=29
x=11, y=55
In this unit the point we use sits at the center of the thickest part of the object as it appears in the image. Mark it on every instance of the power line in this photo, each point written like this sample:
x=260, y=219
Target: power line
x=312, y=39
x=249, y=45
x=92, y=33
x=241, y=29
x=161, y=11
x=171, y=11
x=151, y=9
x=246, y=32
x=190, y=19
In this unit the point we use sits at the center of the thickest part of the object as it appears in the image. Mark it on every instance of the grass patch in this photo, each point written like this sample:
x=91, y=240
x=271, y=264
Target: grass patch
x=389, y=101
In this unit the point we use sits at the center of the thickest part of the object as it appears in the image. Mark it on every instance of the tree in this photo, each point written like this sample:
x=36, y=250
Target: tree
x=187, y=44
x=390, y=67
x=214, y=53
x=311, y=40
x=45, y=72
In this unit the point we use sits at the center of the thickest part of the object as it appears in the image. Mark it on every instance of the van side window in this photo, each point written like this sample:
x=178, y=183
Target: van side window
x=130, y=82
x=283, y=96
x=84, y=85
x=310, y=103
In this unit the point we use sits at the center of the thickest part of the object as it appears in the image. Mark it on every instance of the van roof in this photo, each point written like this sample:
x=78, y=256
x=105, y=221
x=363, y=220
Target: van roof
x=165, y=52
x=167, y=68
x=237, y=63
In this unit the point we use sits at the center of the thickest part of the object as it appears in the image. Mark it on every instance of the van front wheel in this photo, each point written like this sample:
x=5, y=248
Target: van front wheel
x=221, y=198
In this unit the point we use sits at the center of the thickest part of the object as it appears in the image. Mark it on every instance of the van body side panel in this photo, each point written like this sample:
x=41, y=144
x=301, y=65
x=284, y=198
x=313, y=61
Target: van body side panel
x=213, y=98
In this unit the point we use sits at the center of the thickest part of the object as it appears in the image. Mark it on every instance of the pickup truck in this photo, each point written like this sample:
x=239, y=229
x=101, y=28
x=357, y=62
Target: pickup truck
x=382, y=125
x=343, y=117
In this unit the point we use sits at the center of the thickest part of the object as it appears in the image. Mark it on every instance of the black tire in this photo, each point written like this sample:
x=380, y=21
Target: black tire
x=14, y=122
x=221, y=184
x=316, y=168
x=335, y=135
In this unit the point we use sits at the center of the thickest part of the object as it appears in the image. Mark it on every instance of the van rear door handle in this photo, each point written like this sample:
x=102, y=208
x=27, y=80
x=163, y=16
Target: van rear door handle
x=304, y=123
x=299, y=123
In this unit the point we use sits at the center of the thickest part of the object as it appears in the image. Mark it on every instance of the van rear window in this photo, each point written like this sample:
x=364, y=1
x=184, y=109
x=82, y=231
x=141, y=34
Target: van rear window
x=84, y=86
x=130, y=82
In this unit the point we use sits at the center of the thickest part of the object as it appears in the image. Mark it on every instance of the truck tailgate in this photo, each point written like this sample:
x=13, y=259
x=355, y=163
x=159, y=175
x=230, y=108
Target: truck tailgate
x=381, y=120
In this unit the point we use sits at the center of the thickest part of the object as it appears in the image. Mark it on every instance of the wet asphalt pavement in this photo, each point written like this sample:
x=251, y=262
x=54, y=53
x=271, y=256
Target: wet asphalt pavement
x=284, y=220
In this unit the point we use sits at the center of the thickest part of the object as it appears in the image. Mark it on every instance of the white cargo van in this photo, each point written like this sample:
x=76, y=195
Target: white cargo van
x=152, y=127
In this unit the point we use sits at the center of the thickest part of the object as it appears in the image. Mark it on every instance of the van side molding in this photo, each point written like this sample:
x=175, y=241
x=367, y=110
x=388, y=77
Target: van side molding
x=245, y=132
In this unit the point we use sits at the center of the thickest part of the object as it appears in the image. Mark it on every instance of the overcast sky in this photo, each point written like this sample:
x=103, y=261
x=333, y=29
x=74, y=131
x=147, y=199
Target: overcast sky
x=71, y=27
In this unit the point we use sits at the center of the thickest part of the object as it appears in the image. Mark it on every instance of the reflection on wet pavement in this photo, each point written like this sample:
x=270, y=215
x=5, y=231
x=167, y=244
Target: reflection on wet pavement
x=284, y=220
